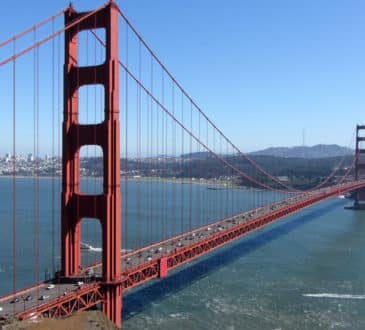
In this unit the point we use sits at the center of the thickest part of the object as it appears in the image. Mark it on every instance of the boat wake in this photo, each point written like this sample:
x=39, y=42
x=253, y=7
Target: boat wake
x=87, y=247
x=334, y=295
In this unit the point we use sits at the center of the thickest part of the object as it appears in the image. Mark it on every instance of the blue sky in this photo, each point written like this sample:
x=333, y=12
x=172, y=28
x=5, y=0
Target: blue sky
x=264, y=71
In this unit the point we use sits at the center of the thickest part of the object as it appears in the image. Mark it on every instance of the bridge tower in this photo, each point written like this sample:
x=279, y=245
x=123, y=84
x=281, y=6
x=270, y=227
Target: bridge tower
x=105, y=207
x=359, y=164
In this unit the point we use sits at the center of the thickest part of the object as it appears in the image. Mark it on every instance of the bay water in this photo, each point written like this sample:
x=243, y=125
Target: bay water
x=303, y=272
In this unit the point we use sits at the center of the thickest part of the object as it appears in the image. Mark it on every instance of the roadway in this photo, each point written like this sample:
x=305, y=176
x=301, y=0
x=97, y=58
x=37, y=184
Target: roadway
x=32, y=297
x=163, y=248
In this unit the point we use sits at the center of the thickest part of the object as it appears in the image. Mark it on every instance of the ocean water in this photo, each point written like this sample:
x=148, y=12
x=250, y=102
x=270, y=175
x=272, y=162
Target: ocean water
x=303, y=272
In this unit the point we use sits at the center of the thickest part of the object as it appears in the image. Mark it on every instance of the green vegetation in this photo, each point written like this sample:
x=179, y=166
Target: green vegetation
x=298, y=172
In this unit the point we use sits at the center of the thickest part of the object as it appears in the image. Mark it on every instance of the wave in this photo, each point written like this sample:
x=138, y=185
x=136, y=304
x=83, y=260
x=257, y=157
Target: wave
x=334, y=295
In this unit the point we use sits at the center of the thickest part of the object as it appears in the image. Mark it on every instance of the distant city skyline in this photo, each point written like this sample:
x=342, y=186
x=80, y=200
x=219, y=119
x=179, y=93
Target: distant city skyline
x=264, y=72
x=266, y=151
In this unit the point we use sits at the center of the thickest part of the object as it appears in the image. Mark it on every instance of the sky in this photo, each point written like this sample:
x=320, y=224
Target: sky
x=268, y=73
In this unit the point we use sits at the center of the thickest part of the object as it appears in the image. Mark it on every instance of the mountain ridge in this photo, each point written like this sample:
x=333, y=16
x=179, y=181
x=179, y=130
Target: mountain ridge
x=316, y=151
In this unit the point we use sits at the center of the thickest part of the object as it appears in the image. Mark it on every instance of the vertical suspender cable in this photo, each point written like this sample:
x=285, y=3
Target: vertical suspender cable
x=227, y=188
x=205, y=196
x=190, y=169
x=145, y=153
x=147, y=157
x=173, y=155
x=233, y=190
x=158, y=170
x=126, y=205
x=53, y=154
x=150, y=138
x=37, y=167
x=57, y=160
x=164, y=133
x=34, y=147
x=182, y=166
x=14, y=171
x=59, y=66
x=35, y=162
x=138, y=132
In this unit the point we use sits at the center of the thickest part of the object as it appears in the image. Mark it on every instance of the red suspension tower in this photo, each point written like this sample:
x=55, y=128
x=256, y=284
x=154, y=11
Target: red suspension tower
x=359, y=164
x=105, y=207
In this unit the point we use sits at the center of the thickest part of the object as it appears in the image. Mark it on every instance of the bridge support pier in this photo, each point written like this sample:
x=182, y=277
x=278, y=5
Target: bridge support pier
x=112, y=305
x=359, y=194
x=359, y=199
x=105, y=207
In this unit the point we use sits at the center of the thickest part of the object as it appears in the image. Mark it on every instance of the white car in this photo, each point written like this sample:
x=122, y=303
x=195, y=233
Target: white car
x=1, y=309
x=50, y=287
x=90, y=272
x=79, y=283
x=43, y=297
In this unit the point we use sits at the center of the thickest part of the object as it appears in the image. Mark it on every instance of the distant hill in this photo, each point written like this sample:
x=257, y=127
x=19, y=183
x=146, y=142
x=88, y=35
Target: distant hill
x=198, y=155
x=317, y=151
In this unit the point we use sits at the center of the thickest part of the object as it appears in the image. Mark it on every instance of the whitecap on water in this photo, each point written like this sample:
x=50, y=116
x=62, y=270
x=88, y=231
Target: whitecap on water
x=181, y=316
x=334, y=295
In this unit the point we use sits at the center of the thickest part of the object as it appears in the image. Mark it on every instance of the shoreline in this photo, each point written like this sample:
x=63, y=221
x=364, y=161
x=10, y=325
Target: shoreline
x=212, y=182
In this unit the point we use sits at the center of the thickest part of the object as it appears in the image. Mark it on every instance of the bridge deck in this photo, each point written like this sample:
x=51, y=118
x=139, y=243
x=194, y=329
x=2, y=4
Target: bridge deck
x=157, y=259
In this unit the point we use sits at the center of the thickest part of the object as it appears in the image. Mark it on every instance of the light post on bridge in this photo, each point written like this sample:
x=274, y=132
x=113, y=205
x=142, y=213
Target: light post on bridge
x=24, y=300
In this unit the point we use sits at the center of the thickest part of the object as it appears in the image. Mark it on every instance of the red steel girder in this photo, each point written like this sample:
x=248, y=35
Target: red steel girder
x=78, y=300
x=140, y=275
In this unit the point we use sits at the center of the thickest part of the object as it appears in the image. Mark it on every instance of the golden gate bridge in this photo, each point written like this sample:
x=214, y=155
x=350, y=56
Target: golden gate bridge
x=118, y=96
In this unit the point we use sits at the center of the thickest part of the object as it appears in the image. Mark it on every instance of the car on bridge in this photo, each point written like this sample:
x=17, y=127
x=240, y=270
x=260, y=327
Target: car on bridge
x=15, y=300
x=89, y=272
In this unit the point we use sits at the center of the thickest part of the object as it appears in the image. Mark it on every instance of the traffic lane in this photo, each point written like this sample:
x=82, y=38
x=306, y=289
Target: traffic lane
x=163, y=248
x=10, y=307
